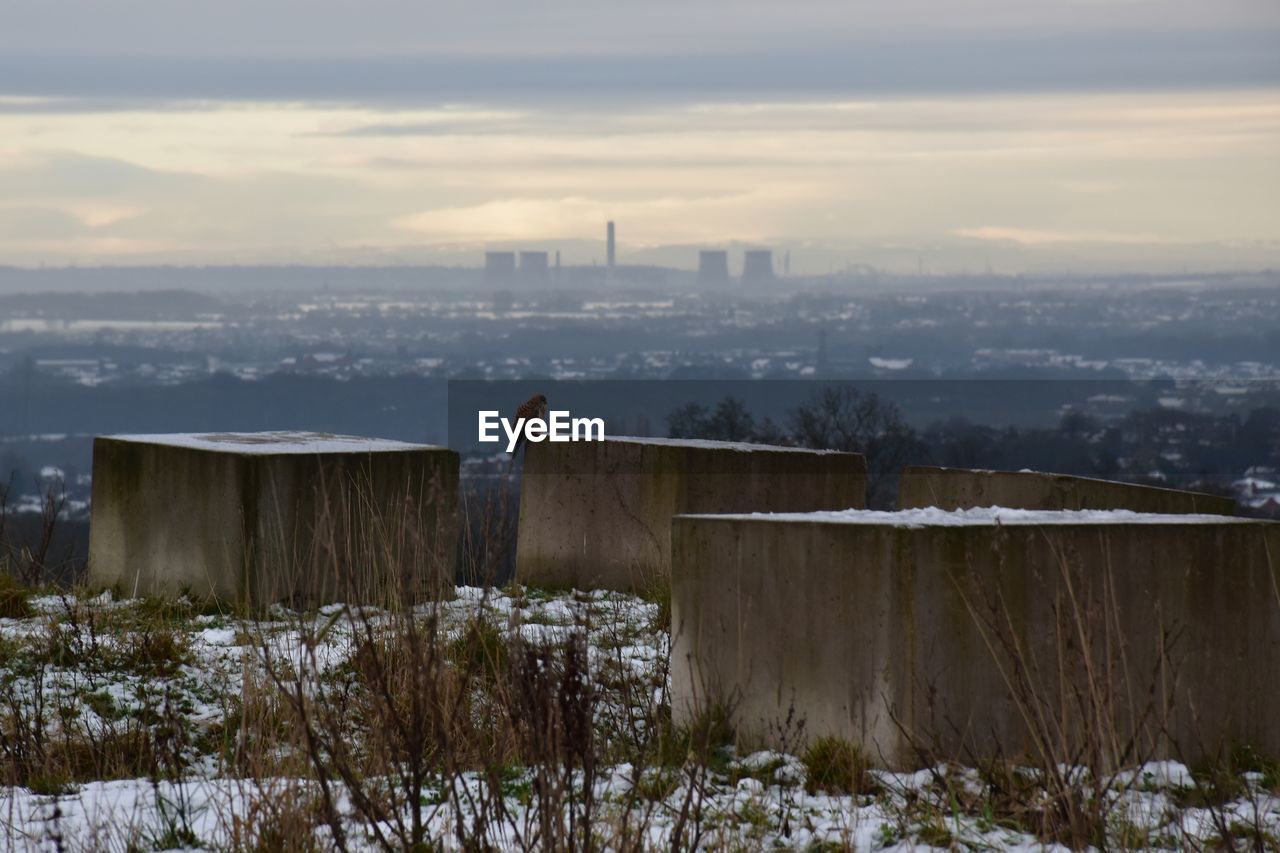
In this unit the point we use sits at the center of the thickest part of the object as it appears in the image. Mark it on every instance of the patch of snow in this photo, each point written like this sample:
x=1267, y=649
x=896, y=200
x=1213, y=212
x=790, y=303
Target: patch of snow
x=913, y=781
x=979, y=517
x=1158, y=775
x=217, y=637
x=760, y=760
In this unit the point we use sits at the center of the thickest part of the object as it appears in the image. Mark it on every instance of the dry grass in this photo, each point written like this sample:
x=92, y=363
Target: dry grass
x=34, y=562
x=400, y=728
x=836, y=766
x=56, y=733
x=427, y=729
x=15, y=598
x=1086, y=712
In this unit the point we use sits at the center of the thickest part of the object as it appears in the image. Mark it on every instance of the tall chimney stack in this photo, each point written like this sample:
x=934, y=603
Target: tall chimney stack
x=613, y=249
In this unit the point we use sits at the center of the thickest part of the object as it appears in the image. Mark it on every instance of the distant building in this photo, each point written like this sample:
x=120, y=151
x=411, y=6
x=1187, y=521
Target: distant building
x=713, y=267
x=533, y=267
x=612, y=247
x=499, y=267
x=757, y=266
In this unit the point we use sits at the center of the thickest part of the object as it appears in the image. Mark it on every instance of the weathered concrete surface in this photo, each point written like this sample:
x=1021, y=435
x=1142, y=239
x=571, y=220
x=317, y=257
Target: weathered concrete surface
x=597, y=515
x=897, y=637
x=264, y=517
x=962, y=488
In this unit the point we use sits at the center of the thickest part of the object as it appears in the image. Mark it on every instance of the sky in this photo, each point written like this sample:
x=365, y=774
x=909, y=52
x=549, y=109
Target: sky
x=1135, y=134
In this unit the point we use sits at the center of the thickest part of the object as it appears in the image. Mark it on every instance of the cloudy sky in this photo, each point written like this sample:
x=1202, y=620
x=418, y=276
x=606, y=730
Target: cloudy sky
x=141, y=131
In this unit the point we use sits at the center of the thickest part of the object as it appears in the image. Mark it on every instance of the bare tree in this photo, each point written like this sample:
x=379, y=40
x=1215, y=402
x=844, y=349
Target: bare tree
x=731, y=421
x=688, y=421
x=29, y=558
x=844, y=418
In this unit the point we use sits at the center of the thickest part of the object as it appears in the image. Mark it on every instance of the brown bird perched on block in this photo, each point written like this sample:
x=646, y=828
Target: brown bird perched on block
x=534, y=407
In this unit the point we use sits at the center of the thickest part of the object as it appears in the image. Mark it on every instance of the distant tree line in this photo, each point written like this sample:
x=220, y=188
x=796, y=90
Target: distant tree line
x=1158, y=446
x=834, y=418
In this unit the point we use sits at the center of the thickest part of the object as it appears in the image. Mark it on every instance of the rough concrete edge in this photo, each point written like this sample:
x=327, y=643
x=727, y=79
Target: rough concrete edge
x=943, y=471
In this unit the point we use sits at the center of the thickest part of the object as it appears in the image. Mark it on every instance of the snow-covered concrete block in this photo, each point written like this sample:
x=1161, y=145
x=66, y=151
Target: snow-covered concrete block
x=905, y=630
x=273, y=516
x=597, y=515
x=963, y=488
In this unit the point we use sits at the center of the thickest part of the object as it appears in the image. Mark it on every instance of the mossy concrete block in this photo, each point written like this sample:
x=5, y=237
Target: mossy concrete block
x=963, y=488
x=265, y=517
x=597, y=515
x=908, y=634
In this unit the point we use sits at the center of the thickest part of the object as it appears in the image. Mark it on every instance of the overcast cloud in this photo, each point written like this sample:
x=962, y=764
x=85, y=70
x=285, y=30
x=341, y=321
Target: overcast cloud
x=233, y=131
x=507, y=28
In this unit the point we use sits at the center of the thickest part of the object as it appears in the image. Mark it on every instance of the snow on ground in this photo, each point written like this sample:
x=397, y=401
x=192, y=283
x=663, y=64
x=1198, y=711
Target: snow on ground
x=104, y=673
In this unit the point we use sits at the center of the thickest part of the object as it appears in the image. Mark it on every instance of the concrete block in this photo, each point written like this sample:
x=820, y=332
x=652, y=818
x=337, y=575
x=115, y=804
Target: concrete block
x=598, y=514
x=963, y=488
x=898, y=631
x=277, y=516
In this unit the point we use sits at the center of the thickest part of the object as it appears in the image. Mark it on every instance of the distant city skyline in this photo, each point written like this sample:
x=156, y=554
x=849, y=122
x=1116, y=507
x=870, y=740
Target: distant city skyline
x=1092, y=134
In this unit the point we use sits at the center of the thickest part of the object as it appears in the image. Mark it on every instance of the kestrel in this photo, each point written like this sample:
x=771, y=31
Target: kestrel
x=534, y=407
